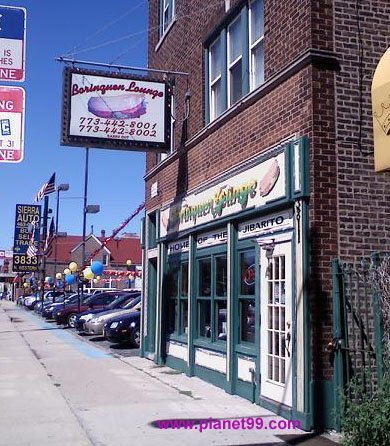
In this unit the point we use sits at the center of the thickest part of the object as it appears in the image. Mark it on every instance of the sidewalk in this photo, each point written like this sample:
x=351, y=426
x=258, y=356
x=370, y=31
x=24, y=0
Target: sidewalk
x=58, y=389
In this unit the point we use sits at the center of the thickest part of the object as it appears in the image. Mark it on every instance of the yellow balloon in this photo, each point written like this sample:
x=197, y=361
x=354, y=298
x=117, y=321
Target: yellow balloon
x=98, y=278
x=58, y=276
x=67, y=271
x=73, y=266
x=46, y=278
x=95, y=281
x=129, y=262
x=131, y=277
x=25, y=285
x=88, y=274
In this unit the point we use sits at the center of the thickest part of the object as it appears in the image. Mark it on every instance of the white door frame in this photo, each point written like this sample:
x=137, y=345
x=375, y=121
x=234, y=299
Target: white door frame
x=276, y=297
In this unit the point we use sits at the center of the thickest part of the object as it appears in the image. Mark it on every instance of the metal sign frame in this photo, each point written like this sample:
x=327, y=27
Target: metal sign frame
x=112, y=143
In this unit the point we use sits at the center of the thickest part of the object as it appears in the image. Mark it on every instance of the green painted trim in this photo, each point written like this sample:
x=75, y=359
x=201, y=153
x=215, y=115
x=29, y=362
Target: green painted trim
x=207, y=86
x=323, y=402
x=152, y=235
x=276, y=408
x=245, y=49
x=157, y=214
x=142, y=235
x=176, y=363
x=151, y=308
x=142, y=347
x=246, y=390
x=306, y=308
x=289, y=170
x=160, y=338
x=192, y=304
x=230, y=360
x=305, y=165
x=211, y=376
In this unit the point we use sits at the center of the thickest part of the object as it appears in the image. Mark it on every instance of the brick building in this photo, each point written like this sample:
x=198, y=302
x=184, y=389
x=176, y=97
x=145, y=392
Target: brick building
x=269, y=177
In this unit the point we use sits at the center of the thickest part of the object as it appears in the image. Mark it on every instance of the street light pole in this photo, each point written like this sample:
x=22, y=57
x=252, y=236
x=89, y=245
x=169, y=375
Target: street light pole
x=61, y=187
x=84, y=221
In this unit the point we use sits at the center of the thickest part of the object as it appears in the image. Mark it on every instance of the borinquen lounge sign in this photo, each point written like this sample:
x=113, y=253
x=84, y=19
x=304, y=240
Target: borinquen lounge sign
x=252, y=188
x=115, y=111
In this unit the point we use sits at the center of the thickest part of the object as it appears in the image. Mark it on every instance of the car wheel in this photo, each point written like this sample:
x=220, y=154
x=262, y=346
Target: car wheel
x=72, y=320
x=135, y=338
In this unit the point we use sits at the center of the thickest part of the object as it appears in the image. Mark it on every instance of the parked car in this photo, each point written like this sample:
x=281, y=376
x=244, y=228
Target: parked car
x=68, y=315
x=122, y=301
x=49, y=308
x=92, y=291
x=124, y=329
x=95, y=325
x=56, y=297
x=31, y=301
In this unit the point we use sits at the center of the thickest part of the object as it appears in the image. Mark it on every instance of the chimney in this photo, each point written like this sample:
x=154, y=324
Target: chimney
x=103, y=234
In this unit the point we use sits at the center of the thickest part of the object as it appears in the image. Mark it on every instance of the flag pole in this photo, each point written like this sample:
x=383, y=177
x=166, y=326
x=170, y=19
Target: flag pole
x=44, y=235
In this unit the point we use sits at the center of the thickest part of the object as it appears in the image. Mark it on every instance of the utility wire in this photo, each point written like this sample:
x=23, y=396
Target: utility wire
x=146, y=31
x=104, y=28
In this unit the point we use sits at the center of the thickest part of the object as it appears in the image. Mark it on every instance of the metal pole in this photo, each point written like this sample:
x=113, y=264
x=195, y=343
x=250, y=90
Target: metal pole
x=120, y=67
x=44, y=235
x=84, y=221
x=55, y=246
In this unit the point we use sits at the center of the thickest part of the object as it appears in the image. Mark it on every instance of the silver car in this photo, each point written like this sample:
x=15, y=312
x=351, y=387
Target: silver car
x=94, y=325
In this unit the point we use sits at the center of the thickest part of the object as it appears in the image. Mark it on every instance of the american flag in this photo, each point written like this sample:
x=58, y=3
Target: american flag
x=46, y=189
x=32, y=249
x=50, y=240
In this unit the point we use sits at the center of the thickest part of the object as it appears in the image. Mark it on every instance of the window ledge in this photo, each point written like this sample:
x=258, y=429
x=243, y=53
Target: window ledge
x=162, y=38
x=171, y=157
x=212, y=346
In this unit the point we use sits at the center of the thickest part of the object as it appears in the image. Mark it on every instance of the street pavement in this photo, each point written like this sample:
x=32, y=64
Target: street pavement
x=58, y=388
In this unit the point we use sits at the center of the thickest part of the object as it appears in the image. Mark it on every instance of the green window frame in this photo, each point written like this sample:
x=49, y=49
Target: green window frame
x=247, y=282
x=176, y=297
x=234, y=59
x=211, y=297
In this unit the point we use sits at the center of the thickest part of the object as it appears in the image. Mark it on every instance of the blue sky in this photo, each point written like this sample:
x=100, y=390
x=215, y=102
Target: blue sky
x=116, y=177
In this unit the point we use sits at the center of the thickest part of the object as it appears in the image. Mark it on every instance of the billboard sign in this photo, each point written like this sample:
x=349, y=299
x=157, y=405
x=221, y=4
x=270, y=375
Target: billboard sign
x=27, y=217
x=12, y=43
x=11, y=124
x=115, y=111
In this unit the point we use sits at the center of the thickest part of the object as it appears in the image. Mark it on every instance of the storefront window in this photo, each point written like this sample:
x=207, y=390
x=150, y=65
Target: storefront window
x=176, y=295
x=221, y=315
x=247, y=273
x=248, y=320
x=212, y=293
x=221, y=276
x=204, y=318
x=246, y=298
x=205, y=277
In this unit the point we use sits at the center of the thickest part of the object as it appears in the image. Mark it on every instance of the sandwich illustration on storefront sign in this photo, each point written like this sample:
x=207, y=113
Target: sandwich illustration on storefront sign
x=126, y=106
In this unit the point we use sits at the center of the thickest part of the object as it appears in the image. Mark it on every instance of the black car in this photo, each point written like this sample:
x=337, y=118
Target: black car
x=124, y=329
x=123, y=299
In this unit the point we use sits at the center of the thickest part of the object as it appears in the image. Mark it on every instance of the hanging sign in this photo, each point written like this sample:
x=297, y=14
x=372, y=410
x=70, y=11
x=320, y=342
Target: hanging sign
x=27, y=228
x=115, y=111
x=380, y=92
x=12, y=43
x=11, y=124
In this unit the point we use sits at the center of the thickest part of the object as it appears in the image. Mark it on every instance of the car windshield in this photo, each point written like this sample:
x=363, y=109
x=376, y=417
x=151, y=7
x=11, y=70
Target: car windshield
x=132, y=303
x=118, y=302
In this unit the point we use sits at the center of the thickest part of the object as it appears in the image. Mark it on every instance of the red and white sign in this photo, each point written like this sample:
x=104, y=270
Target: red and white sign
x=11, y=124
x=12, y=43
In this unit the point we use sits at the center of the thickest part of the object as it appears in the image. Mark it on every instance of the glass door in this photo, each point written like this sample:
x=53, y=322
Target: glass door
x=276, y=328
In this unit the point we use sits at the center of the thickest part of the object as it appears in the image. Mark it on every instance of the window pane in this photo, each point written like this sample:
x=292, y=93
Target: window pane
x=184, y=279
x=216, y=100
x=247, y=273
x=235, y=82
x=205, y=277
x=257, y=20
x=204, y=318
x=221, y=312
x=172, y=315
x=235, y=40
x=258, y=65
x=172, y=281
x=248, y=320
x=221, y=276
x=184, y=316
x=215, y=60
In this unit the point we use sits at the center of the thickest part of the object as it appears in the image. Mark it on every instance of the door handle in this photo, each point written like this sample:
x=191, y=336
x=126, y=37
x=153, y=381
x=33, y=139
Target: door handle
x=287, y=343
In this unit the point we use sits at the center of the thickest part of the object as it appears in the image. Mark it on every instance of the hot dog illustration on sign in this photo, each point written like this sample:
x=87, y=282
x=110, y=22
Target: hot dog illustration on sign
x=270, y=178
x=126, y=106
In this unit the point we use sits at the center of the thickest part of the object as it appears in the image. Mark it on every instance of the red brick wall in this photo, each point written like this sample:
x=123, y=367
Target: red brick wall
x=363, y=196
